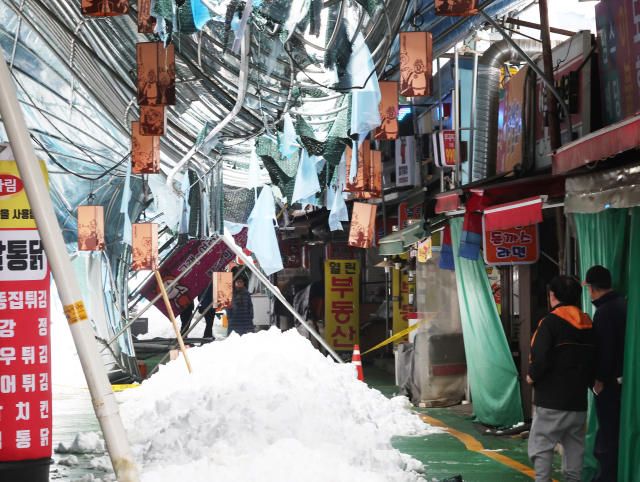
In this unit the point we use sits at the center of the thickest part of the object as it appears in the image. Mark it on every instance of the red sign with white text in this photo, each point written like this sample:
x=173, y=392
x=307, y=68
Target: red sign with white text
x=518, y=245
x=406, y=212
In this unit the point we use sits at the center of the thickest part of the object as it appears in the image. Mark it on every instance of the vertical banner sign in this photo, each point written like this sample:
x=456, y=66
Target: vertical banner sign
x=511, y=246
x=156, y=74
x=510, y=122
x=361, y=181
x=145, y=151
x=146, y=23
x=408, y=213
x=405, y=161
x=222, y=285
x=388, y=106
x=342, y=305
x=25, y=341
x=416, y=64
x=447, y=143
x=363, y=220
x=456, y=8
x=424, y=250
x=402, y=288
x=153, y=120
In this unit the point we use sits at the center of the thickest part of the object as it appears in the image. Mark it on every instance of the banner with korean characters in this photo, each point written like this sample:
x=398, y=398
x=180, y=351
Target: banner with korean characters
x=408, y=213
x=25, y=341
x=403, y=291
x=342, y=305
x=520, y=245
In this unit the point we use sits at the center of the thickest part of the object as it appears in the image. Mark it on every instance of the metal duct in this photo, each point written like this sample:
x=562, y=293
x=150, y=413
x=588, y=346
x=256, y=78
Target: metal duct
x=485, y=144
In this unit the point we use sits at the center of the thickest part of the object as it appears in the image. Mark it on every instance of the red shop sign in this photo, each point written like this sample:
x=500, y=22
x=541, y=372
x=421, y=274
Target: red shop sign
x=519, y=245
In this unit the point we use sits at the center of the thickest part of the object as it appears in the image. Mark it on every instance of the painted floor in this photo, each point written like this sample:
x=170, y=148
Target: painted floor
x=462, y=450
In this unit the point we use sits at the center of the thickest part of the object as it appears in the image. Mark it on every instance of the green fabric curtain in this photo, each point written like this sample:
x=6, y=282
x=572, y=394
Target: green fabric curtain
x=601, y=240
x=493, y=376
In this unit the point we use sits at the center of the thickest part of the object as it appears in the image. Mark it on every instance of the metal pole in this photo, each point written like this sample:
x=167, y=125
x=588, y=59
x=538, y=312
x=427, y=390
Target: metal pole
x=387, y=325
x=547, y=59
x=456, y=112
x=472, y=124
x=104, y=401
x=440, y=114
x=249, y=262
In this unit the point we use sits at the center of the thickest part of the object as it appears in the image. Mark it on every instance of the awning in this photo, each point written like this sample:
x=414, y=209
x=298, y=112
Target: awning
x=401, y=241
x=601, y=144
x=510, y=215
x=448, y=201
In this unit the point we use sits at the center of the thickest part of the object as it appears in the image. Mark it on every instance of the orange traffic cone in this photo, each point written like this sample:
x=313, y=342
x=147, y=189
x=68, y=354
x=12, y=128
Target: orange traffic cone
x=355, y=360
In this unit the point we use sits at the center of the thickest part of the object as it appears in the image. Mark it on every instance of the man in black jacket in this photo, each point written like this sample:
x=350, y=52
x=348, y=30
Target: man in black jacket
x=609, y=320
x=564, y=364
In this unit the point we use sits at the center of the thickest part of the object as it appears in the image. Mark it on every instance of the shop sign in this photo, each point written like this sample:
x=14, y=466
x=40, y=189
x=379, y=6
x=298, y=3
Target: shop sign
x=494, y=281
x=380, y=232
x=404, y=291
x=519, y=245
x=388, y=107
x=339, y=251
x=446, y=153
x=510, y=123
x=25, y=340
x=408, y=213
x=405, y=161
x=292, y=255
x=342, y=305
x=424, y=250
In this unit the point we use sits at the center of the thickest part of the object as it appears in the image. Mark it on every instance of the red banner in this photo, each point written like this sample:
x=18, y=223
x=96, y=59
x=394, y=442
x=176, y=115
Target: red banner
x=511, y=245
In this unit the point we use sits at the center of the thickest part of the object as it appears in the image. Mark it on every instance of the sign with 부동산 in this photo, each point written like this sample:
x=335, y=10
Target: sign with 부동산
x=518, y=245
x=342, y=305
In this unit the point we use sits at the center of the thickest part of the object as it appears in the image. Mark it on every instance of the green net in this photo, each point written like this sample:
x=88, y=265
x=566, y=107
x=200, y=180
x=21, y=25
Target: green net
x=308, y=138
x=338, y=136
x=194, y=204
x=238, y=204
x=370, y=6
x=185, y=19
x=493, y=376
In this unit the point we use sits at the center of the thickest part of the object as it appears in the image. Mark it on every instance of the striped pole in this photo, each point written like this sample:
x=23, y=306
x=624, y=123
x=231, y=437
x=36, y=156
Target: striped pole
x=355, y=360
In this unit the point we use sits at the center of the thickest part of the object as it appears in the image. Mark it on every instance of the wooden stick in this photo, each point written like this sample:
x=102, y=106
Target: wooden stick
x=522, y=23
x=173, y=319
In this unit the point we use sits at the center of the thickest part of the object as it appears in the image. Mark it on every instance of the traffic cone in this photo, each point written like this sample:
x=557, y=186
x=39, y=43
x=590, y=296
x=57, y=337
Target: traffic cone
x=355, y=360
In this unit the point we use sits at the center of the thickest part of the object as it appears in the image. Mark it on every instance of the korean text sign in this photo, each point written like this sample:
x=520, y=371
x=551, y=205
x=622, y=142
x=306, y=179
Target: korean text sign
x=518, y=245
x=402, y=287
x=25, y=342
x=342, y=305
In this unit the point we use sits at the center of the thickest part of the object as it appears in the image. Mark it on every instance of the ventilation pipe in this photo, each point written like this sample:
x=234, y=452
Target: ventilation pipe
x=485, y=143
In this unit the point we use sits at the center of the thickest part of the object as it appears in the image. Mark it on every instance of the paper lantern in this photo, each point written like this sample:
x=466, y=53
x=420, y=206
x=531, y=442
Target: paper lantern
x=456, y=8
x=146, y=23
x=90, y=228
x=388, y=107
x=374, y=183
x=104, y=8
x=360, y=183
x=145, y=152
x=363, y=220
x=156, y=74
x=222, y=290
x=416, y=64
x=145, y=246
x=153, y=120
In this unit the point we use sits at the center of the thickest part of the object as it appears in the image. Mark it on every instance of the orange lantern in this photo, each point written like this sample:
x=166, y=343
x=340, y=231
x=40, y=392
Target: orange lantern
x=416, y=64
x=362, y=176
x=363, y=220
x=374, y=184
x=145, y=246
x=104, y=8
x=222, y=290
x=153, y=120
x=146, y=23
x=145, y=152
x=456, y=8
x=388, y=106
x=90, y=228
x=156, y=74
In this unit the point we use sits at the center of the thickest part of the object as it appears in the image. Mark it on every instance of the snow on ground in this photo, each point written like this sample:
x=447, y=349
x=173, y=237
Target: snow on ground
x=266, y=407
x=161, y=327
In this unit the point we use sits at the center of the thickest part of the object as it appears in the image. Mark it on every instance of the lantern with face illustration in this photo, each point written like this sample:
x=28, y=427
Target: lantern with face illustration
x=374, y=182
x=363, y=220
x=90, y=228
x=156, y=74
x=146, y=23
x=104, y=8
x=456, y=8
x=145, y=152
x=222, y=290
x=360, y=182
x=145, y=246
x=388, y=106
x=416, y=64
x=153, y=120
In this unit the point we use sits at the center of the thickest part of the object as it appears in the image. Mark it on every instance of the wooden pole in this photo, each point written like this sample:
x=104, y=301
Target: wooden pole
x=173, y=319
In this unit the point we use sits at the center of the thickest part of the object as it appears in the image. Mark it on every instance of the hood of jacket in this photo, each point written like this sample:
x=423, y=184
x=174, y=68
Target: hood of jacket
x=573, y=315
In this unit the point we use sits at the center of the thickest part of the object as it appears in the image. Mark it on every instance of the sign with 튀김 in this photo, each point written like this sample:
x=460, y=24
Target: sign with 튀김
x=342, y=305
x=518, y=245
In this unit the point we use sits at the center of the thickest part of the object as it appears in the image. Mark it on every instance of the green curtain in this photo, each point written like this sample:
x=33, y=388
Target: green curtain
x=629, y=461
x=601, y=240
x=493, y=376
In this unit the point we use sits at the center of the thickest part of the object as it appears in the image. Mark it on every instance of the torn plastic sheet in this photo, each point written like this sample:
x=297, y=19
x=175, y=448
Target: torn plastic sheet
x=288, y=136
x=365, y=115
x=168, y=205
x=243, y=25
x=262, y=239
x=307, y=184
x=253, y=177
x=200, y=13
x=127, y=234
x=338, y=208
x=276, y=50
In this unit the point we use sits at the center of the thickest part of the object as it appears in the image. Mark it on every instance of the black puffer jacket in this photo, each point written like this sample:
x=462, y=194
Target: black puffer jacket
x=240, y=315
x=610, y=320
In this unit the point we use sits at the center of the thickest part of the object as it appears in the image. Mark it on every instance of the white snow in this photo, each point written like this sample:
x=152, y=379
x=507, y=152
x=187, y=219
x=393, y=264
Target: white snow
x=161, y=327
x=266, y=407
x=84, y=443
x=69, y=461
x=101, y=463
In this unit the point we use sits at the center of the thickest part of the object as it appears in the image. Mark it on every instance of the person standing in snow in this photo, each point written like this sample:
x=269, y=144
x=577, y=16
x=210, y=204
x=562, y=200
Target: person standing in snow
x=240, y=315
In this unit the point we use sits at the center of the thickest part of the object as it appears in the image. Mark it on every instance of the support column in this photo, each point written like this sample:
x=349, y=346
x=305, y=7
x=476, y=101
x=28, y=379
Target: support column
x=547, y=58
x=526, y=332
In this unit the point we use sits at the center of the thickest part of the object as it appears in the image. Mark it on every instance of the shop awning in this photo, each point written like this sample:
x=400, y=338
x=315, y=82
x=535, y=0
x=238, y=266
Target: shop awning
x=519, y=213
x=400, y=241
x=601, y=144
x=448, y=201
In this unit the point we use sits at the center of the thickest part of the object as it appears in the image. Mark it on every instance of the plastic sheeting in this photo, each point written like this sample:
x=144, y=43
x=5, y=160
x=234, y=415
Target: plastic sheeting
x=493, y=376
x=262, y=239
x=307, y=184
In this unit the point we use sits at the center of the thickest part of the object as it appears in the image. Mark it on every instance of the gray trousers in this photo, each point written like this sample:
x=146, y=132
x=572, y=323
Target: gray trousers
x=549, y=428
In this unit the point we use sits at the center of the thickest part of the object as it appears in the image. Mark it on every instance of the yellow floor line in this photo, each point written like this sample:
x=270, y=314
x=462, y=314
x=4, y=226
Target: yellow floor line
x=475, y=446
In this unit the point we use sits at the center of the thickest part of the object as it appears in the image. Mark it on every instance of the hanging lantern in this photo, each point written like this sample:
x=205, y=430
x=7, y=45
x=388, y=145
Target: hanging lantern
x=374, y=183
x=104, y=8
x=388, y=106
x=362, y=176
x=145, y=246
x=153, y=120
x=456, y=8
x=145, y=152
x=90, y=228
x=363, y=220
x=222, y=290
x=156, y=74
x=416, y=64
x=146, y=23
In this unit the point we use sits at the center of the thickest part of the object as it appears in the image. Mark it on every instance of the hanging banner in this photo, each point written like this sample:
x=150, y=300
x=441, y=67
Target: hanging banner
x=146, y=23
x=388, y=106
x=456, y=8
x=342, y=305
x=145, y=152
x=446, y=155
x=361, y=181
x=193, y=283
x=25, y=340
x=405, y=162
x=363, y=220
x=403, y=292
x=518, y=245
x=408, y=213
x=222, y=285
x=156, y=74
x=104, y=8
x=424, y=250
x=153, y=120
x=510, y=123
x=416, y=64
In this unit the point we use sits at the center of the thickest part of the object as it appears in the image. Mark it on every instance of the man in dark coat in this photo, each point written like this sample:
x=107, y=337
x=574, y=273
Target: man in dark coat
x=610, y=320
x=240, y=315
x=564, y=364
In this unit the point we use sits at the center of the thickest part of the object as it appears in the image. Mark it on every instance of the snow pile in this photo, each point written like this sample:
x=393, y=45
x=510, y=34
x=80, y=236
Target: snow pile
x=69, y=461
x=161, y=327
x=266, y=407
x=84, y=443
x=101, y=463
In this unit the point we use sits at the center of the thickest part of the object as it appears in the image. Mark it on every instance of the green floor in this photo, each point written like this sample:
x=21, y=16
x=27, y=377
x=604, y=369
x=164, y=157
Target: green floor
x=445, y=455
